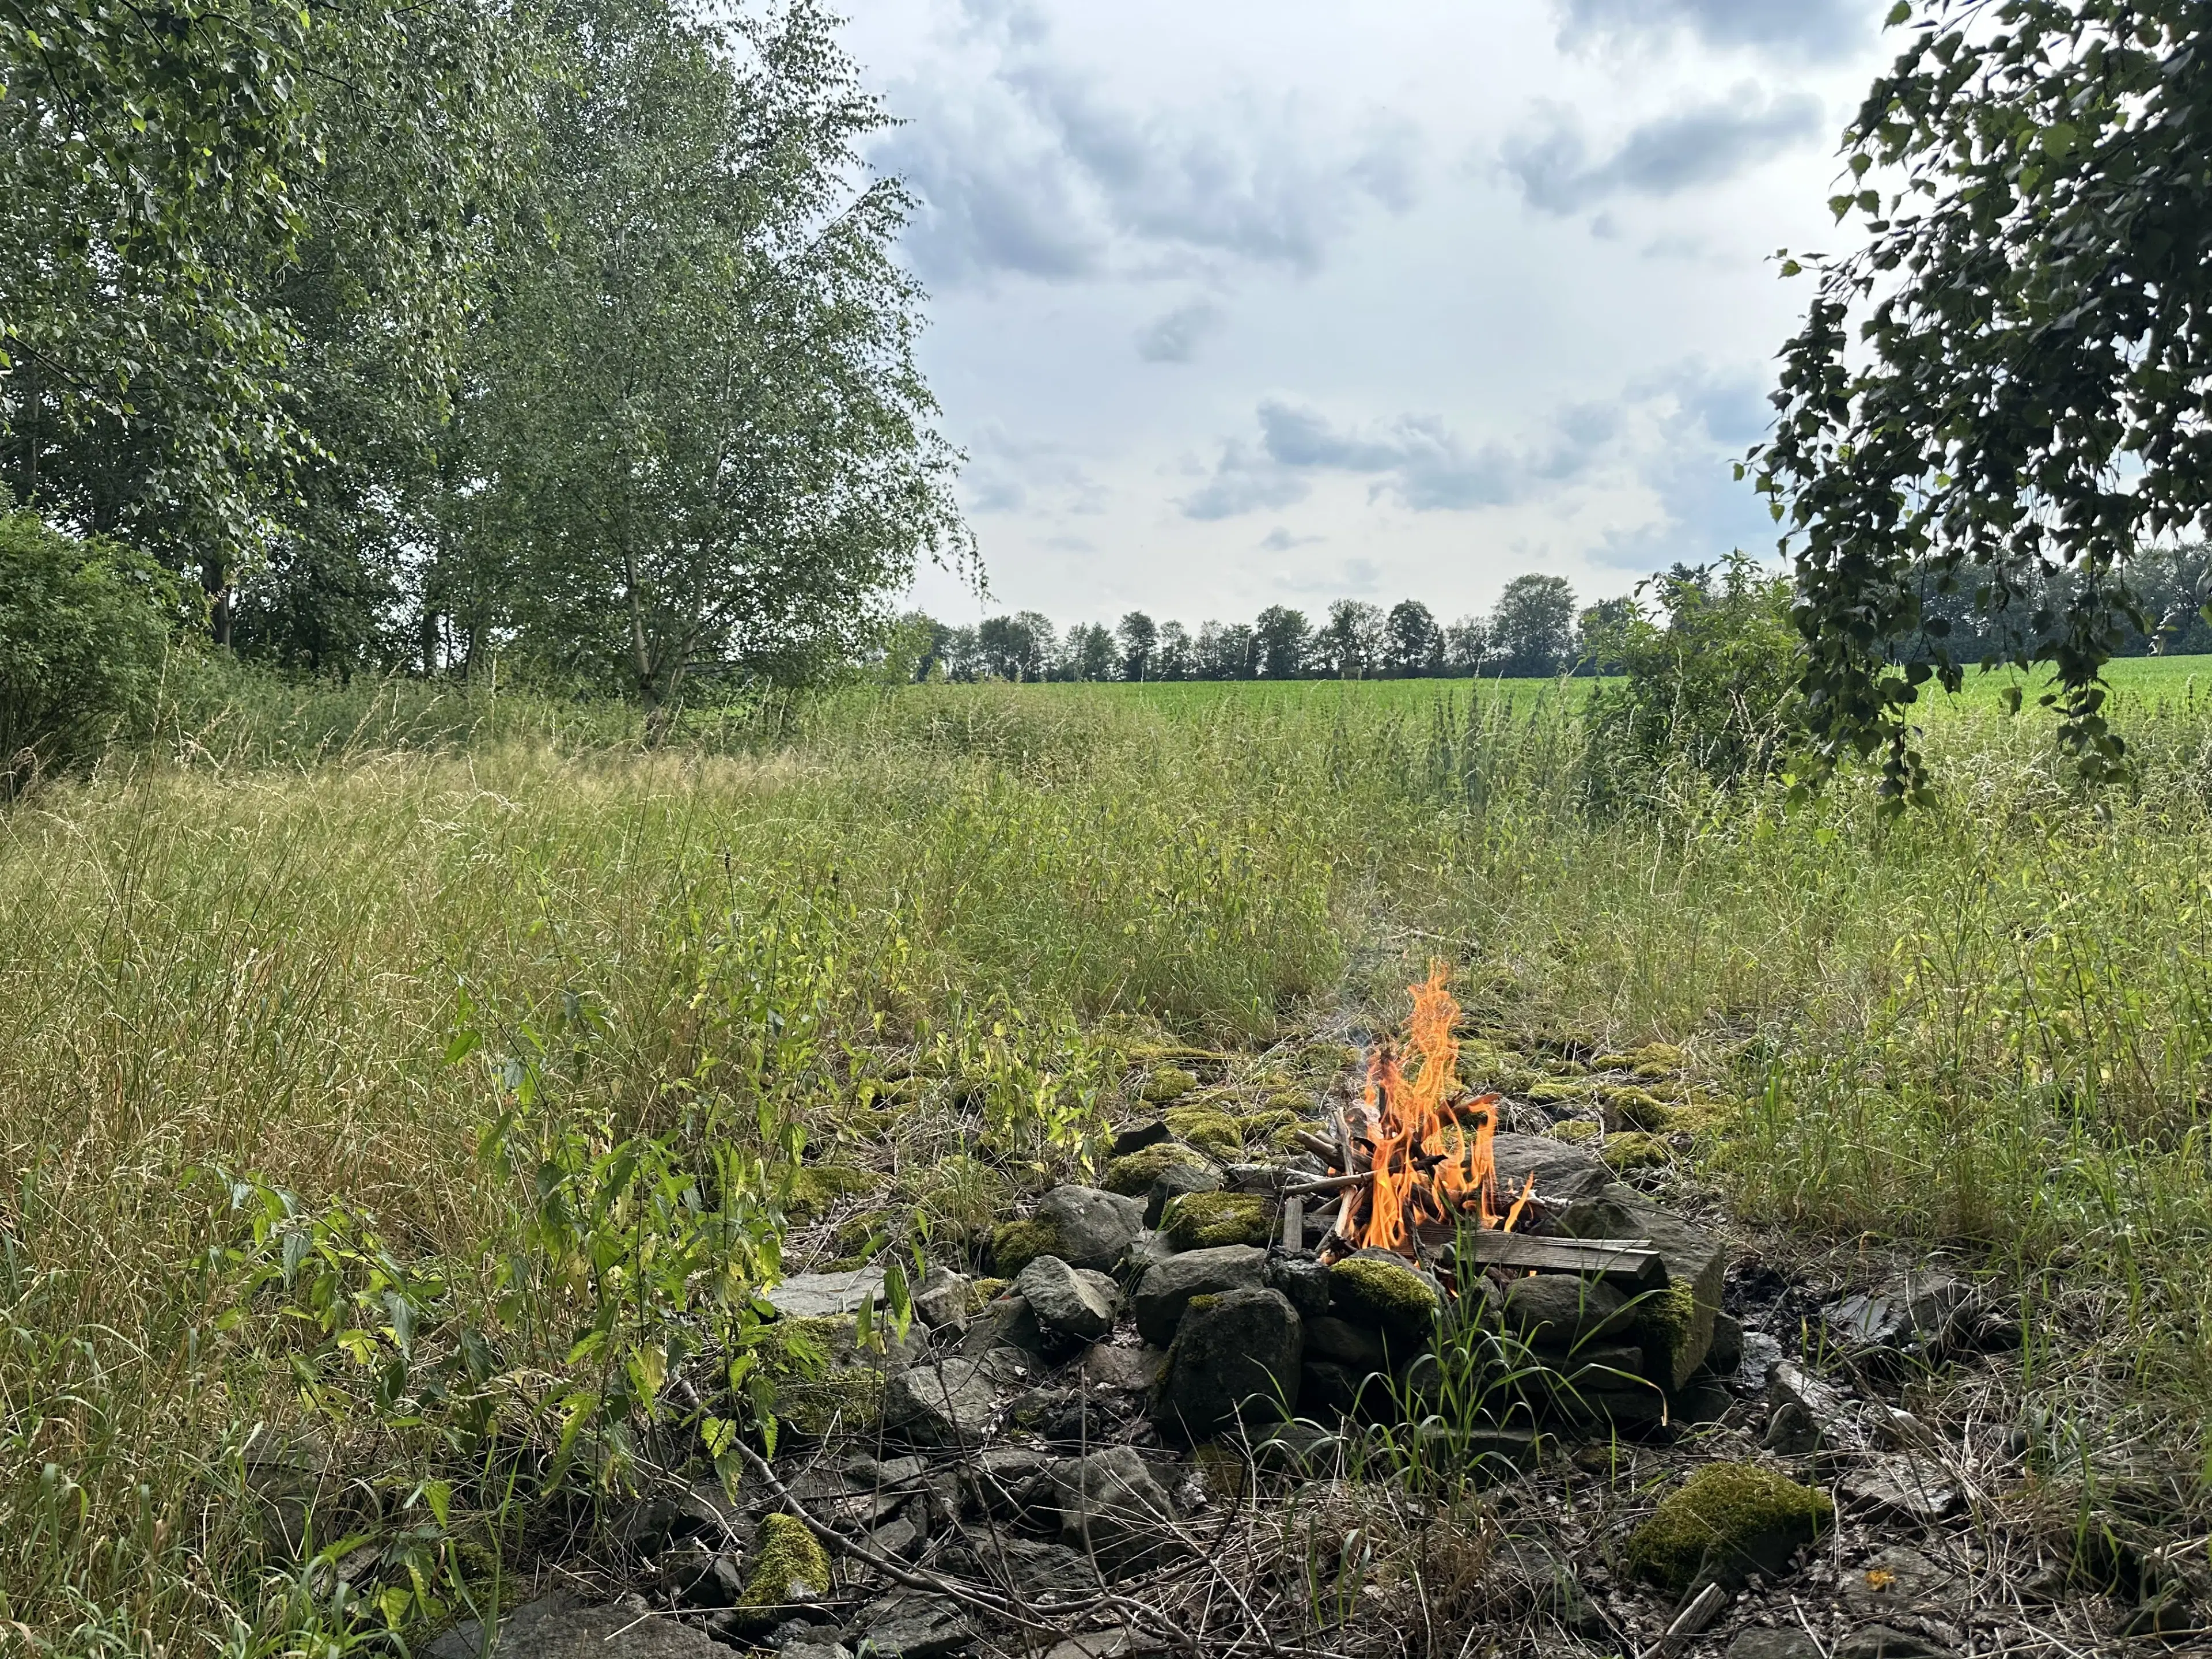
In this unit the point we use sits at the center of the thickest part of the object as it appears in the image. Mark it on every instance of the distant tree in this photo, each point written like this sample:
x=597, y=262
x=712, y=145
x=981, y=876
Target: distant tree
x=1350, y=644
x=1178, y=659
x=1089, y=652
x=1016, y=647
x=1532, y=630
x=1599, y=630
x=1466, y=642
x=1139, y=638
x=1412, y=644
x=1284, y=636
x=964, y=654
x=1229, y=652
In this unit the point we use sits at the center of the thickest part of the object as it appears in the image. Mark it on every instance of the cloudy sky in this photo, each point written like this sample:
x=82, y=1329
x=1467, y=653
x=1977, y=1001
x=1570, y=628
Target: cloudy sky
x=1240, y=303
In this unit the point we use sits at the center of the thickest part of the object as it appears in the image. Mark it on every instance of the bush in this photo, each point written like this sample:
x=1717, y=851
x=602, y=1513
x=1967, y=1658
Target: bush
x=1712, y=687
x=85, y=628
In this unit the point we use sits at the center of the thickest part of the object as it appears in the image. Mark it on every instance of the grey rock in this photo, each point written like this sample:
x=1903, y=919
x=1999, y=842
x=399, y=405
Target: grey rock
x=1558, y=1311
x=1693, y=1256
x=1701, y=1400
x=1913, y=1316
x=1135, y=1136
x=1329, y=1388
x=1358, y=1348
x=1881, y=1641
x=891, y=1474
x=1168, y=1288
x=942, y=1301
x=1761, y=1354
x=1904, y=1488
x=1041, y=1571
x=1601, y=1365
x=1005, y=1481
x=663, y=1518
x=1303, y=1279
x=1773, y=1645
x=1113, y=1508
x=1175, y=1181
x=1109, y=1644
x=1235, y=1352
x=1006, y=1321
x=1725, y=1356
x=826, y=1296
x=899, y=1538
x=1264, y=1179
x=696, y=1577
x=948, y=1404
x=1094, y=1227
x=814, y=1645
x=556, y=1626
x=1146, y=1252
x=909, y=1625
x=1811, y=1415
x=1127, y=1371
x=1621, y=1403
x=1563, y=1172
x=1900, y=1579
x=1067, y=1303
x=1486, y=1449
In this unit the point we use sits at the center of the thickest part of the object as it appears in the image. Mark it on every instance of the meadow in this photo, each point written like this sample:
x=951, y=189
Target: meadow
x=359, y=967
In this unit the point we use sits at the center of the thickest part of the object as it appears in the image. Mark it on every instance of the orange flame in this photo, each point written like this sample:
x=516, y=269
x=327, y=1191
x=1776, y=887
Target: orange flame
x=1432, y=1158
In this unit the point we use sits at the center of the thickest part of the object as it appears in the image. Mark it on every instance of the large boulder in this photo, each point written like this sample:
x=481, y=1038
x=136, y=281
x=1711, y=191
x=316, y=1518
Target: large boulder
x=826, y=1296
x=1559, y=1312
x=948, y=1404
x=556, y=1626
x=1112, y=1508
x=1067, y=1300
x=1563, y=1173
x=1093, y=1228
x=1237, y=1352
x=1167, y=1288
x=1676, y=1320
x=1201, y=1221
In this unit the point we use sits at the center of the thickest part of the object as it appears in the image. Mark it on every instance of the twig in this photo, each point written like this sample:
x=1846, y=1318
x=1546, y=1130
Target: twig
x=1703, y=1608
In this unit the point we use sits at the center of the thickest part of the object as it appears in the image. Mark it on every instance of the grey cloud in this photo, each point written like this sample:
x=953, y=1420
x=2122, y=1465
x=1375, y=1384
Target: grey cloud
x=1415, y=458
x=1029, y=169
x=1008, y=475
x=1174, y=337
x=1662, y=157
x=1243, y=482
x=1280, y=540
x=1807, y=28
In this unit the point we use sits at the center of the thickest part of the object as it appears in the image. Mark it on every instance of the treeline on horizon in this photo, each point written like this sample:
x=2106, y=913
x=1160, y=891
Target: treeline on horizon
x=1536, y=630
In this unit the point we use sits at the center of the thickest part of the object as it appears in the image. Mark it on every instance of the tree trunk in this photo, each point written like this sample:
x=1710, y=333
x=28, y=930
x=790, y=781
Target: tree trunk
x=215, y=579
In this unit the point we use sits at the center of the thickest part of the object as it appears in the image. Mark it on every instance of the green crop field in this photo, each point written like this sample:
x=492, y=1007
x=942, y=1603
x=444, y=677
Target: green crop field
x=378, y=962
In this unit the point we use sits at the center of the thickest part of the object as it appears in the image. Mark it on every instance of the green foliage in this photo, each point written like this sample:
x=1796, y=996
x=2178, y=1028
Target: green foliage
x=1712, y=687
x=85, y=629
x=2002, y=382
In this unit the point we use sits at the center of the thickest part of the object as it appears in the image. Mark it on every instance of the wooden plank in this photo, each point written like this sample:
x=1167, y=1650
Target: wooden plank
x=1294, y=1222
x=1630, y=1263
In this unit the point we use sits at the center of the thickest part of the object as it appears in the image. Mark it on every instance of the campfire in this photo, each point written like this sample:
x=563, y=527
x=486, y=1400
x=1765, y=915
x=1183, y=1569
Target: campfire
x=1411, y=1164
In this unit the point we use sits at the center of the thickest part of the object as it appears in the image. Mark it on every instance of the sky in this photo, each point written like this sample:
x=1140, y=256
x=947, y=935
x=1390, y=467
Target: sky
x=1236, y=303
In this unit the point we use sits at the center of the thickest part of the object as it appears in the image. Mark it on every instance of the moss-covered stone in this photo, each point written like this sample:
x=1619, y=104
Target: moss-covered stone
x=821, y=1378
x=1286, y=1140
x=1627, y=1108
x=1559, y=1093
x=789, y=1564
x=1200, y=1221
x=1664, y=1055
x=981, y=1292
x=1015, y=1244
x=1635, y=1150
x=1610, y=1062
x=1379, y=1292
x=1263, y=1123
x=1132, y=1174
x=1574, y=1130
x=1665, y=1326
x=1208, y=1129
x=1650, y=1072
x=1726, y=1522
x=1562, y=1066
x=1168, y=1083
x=1294, y=1103
x=808, y=1189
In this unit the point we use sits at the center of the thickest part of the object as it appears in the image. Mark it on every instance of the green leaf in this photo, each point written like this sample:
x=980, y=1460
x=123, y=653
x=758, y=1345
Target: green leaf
x=1899, y=13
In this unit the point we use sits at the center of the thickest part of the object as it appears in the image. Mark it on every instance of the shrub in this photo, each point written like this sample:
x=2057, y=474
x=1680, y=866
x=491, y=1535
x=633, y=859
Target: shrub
x=1712, y=687
x=85, y=628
